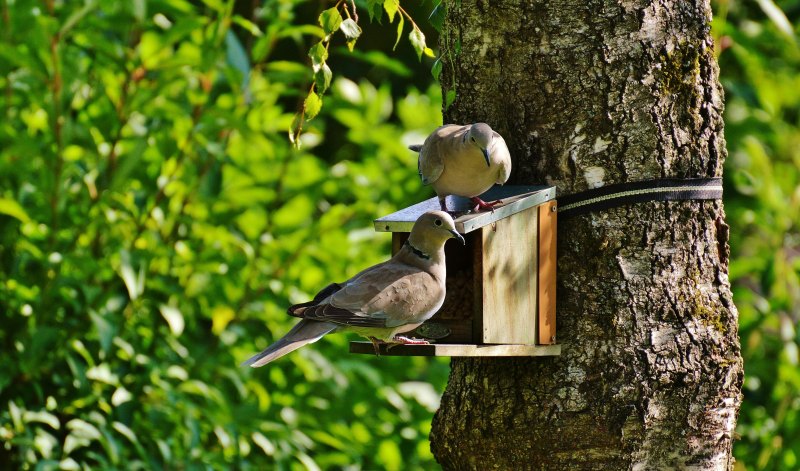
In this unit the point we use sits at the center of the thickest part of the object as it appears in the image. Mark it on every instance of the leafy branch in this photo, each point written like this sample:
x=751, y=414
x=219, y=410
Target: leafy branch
x=343, y=17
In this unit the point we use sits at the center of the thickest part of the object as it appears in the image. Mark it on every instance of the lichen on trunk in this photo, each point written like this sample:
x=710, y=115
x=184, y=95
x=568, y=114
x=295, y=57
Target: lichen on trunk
x=588, y=94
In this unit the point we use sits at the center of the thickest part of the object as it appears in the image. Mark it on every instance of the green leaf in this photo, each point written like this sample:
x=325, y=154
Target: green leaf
x=330, y=20
x=389, y=455
x=104, y=329
x=77, y=16
x=139, y=10
x=322, y=78
x=221, y=316
x=295, y=129
x=436, y=69
x=436, y=19
x=449, y=98
x=43, y=417
x=417, y=41
x=351, y=44
x=134, y=283
x=174, y=319
x=12, y=208
x=251, y=27
x=350, y=28
x=318, y=54
x=375, y=9
x=778, y=17
x=400, y=25
x=391, y=7
x=312, y=105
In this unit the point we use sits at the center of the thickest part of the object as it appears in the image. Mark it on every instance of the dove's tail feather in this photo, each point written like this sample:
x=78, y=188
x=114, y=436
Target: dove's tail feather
x=415, y=147
x=303, y=333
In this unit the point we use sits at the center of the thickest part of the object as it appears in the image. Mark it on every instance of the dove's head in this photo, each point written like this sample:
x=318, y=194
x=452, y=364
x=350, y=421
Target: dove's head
x=480, y=135
x=432, y=230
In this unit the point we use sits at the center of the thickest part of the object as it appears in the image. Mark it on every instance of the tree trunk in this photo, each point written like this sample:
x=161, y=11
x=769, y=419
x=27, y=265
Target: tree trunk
x=590, y=94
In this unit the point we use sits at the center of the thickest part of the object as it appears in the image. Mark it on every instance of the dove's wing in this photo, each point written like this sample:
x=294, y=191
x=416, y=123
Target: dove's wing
x=296, y=309
x=432, y=155
x=385, y=296
x=501, y=154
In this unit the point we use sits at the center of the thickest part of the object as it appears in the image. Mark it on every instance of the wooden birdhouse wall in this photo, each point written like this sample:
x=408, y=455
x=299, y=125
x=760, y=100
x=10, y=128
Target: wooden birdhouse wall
x=501, y=283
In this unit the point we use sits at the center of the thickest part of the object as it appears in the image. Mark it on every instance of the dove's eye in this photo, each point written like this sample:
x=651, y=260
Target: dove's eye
x=438, y=222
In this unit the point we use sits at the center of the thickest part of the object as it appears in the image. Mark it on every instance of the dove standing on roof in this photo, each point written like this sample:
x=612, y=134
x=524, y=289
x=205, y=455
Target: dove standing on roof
x=380, y=302
x=463, y=161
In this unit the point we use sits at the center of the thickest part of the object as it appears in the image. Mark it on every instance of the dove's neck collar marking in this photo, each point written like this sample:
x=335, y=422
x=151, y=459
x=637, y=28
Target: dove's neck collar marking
x=419, y=253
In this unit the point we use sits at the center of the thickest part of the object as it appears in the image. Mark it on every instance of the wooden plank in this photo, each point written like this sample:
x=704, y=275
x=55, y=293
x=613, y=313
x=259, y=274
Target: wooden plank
x=509, y=280
x=547, y=273
x=398, y=239
x=459, y=350
x=515, y=199
x=477, y=287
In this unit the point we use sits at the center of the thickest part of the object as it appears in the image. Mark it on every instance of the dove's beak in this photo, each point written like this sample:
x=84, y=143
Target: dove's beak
x=486, y=156
x=458, y=236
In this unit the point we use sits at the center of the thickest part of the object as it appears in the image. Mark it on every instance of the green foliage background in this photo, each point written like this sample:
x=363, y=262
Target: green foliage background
x=757, y=43
x=155, y=221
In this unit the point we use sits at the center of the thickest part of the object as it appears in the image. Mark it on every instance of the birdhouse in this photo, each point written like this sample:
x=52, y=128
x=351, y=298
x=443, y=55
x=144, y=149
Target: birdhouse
x=500, y=285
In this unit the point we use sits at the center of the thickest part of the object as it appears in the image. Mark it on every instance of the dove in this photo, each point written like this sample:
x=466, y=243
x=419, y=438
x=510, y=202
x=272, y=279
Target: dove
x=463, y=161
x=380, y=302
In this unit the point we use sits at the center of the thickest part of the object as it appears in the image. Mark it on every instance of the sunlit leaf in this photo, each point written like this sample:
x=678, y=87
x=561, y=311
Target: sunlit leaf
x=133, y=282
x=330, y=20
x=42, y=417
x=400, y=25
x=318, y=54
x=322, y=78
x=391, y=7
x=13, y=209
x=248, y=25
x=312, y=105
x=174, y=319
x=350, y=28
x=778, y=17
x=264, y=443
x=389, y=455
x=417, y=41
x=220, y=317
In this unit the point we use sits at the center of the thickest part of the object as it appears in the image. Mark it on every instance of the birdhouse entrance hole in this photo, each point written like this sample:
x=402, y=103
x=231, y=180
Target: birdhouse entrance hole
x=500, y=285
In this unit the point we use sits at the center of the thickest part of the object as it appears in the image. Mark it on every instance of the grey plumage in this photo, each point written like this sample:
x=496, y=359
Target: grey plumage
x=380, y=302
x=303, y=333
x=464, y=161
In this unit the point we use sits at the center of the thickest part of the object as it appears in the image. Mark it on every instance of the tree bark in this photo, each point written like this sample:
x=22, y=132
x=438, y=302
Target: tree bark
x=591, y=93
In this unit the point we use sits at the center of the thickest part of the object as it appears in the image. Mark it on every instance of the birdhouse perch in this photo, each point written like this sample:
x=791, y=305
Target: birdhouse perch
x=500, y=285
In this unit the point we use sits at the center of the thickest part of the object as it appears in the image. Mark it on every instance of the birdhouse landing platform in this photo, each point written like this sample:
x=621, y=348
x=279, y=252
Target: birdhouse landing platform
x=501, y=284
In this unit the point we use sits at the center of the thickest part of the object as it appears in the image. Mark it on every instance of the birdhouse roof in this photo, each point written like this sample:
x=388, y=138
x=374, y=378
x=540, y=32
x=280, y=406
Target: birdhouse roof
x=515, y=199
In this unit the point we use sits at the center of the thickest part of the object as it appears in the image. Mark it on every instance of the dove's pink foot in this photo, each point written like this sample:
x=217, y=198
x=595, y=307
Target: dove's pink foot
x=399, y=339
x=481, y=205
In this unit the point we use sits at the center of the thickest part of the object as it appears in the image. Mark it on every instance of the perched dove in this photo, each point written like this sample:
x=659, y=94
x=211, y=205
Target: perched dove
x=464, y=161
x=380, y=302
